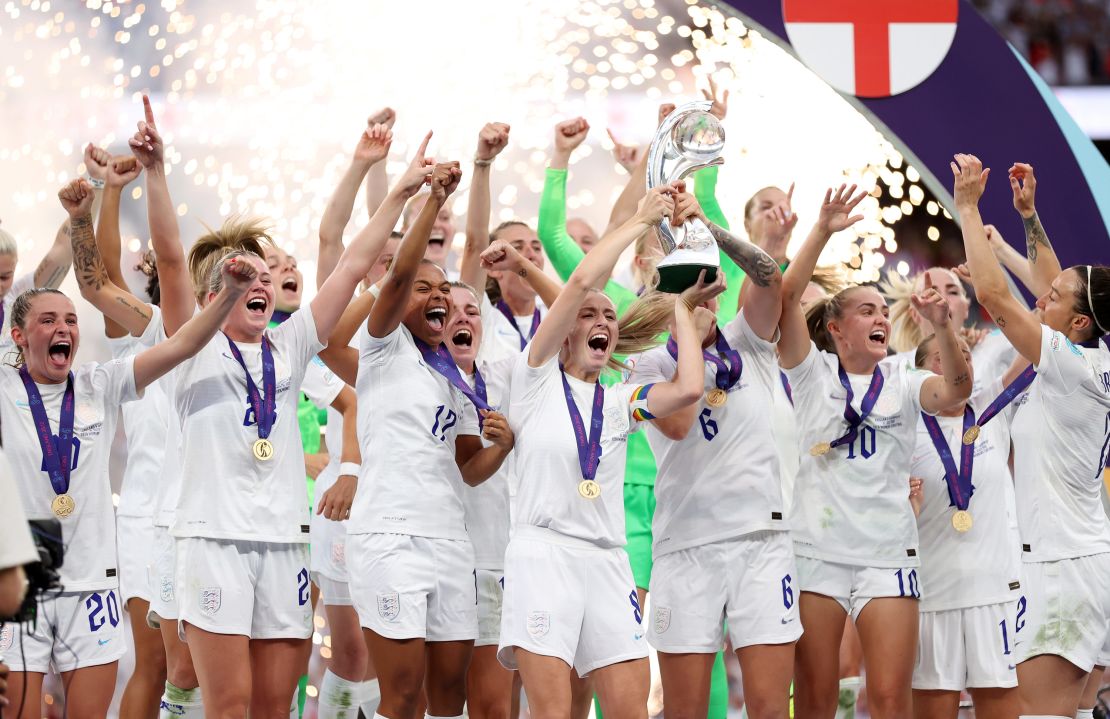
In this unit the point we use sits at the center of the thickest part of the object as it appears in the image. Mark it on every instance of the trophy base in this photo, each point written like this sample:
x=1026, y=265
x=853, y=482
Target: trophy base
x=676, y=277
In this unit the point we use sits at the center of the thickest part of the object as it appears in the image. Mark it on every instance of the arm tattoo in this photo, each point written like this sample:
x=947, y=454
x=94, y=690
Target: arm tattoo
x=1034, y=235
x=57, y=274
x=1000, y=321
x=87, y=262
x=756, y=263
x=523, y=272
x=960, y=379
x=140, y=309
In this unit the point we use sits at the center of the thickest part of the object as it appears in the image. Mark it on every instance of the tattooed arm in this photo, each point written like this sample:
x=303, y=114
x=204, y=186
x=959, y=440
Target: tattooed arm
x=1042, y=258
x=1020, y=327
x=115, y=303
x=763, y=296
x=55, y=265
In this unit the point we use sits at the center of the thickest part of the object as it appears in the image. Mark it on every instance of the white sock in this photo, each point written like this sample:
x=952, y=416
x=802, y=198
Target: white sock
x=429, y=716
x=1042, y=716
x=371, y=697
x=181, y=704
x=294, y=710
x=849, y=693
x=1085, y=714
x=339, y=698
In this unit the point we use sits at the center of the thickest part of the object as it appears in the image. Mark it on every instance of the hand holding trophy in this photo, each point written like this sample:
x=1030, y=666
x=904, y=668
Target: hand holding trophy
x=689, y=139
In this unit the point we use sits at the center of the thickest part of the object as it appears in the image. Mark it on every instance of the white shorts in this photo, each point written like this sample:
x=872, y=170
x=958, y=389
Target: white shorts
x=257, y=589
x=333, y=593
x=74, y=630
x=969, y=648
x=750, y=581
x=853, y=587
x=1103, y=659
x=567, y=601
x=407, y=587
x=163, y=574
x=329, y=548
x=491, y=597
x=1067, y=609
x=135, y=547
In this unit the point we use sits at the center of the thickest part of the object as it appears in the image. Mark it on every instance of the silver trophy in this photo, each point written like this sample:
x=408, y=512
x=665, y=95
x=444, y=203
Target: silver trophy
x=689, y=139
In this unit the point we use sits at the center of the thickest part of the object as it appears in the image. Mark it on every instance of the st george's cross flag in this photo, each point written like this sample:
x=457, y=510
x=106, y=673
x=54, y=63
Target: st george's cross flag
x=871, y=48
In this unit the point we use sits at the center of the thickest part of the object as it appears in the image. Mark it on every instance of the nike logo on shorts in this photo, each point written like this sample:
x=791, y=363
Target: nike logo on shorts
x=102, y=642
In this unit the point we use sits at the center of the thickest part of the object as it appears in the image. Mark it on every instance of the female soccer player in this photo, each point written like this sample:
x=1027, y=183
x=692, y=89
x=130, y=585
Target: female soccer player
x=721, y=546
x=411, y=563
x=58, y=425
x=570, y=600
x=854, y=532
x=1060, y=436
x=970, y=565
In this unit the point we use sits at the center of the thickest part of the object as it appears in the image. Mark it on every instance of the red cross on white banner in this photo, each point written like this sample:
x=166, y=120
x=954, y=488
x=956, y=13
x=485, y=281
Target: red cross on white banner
x=871, y=48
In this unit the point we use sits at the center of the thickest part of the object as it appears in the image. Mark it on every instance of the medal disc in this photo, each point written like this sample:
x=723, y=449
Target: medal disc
x=589, y=489
x=63, y=506
x=263, y=450
x=820, y=449
x=961, y=521
x=716, y=397
x=971, y=434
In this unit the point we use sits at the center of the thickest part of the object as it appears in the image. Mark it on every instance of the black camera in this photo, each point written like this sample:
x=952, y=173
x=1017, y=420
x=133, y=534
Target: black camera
x=42, y=575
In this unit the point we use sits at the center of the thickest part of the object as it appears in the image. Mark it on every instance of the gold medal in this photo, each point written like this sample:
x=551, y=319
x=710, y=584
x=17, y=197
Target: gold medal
x=820, y=449
x=63, y=506
x=716, y=397
x=961, y=520
x=589, y=489
x=970, y=436
x=263, y=450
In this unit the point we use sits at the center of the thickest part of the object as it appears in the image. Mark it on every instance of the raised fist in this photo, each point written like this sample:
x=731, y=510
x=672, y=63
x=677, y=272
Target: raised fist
x=77, y=198
x=492, y=140
x=569, y=134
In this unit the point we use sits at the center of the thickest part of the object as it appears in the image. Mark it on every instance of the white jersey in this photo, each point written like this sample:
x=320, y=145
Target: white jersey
x=722, y=480
x=89, y=534
x=320, y=384
x=547, y=465
x=226, y=493
x=19, y=286
x=851, y=506
x=487, y=505
x=144, y=426
x=784, y=430
x=409, y=417
x=1061, y=434
x=500, y=337
x=981, y=566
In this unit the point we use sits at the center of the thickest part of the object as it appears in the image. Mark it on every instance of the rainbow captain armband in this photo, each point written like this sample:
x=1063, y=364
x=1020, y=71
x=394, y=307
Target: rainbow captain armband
x=638, y=400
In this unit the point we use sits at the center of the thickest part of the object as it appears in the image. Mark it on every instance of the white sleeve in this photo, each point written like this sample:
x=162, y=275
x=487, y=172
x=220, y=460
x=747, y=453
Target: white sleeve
x=378, y=350
x=1063, y=366
x=115, y=381
x=803, y=376
x=528, y=381
x=913, y=379
x=741, y=335
x=320, y=384
x=16, y=546
x=653, y=366
x=152, y=335
x=298, y=336
x=22, y=284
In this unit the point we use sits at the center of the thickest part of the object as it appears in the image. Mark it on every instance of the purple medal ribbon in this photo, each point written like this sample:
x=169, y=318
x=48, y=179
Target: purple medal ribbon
x=503, y=308
x=589, y=450
x=959, y=483
x=263, y=405
x=441, y=361
x=728, y=362
x=55, y=449
x=853, y=418
x=786, y=387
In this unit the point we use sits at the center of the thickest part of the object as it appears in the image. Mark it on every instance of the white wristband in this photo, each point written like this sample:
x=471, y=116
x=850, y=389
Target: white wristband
x=349, y=468
x=96, y=184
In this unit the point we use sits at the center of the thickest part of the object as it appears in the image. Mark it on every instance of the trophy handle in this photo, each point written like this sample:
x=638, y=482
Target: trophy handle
x=659, y=143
